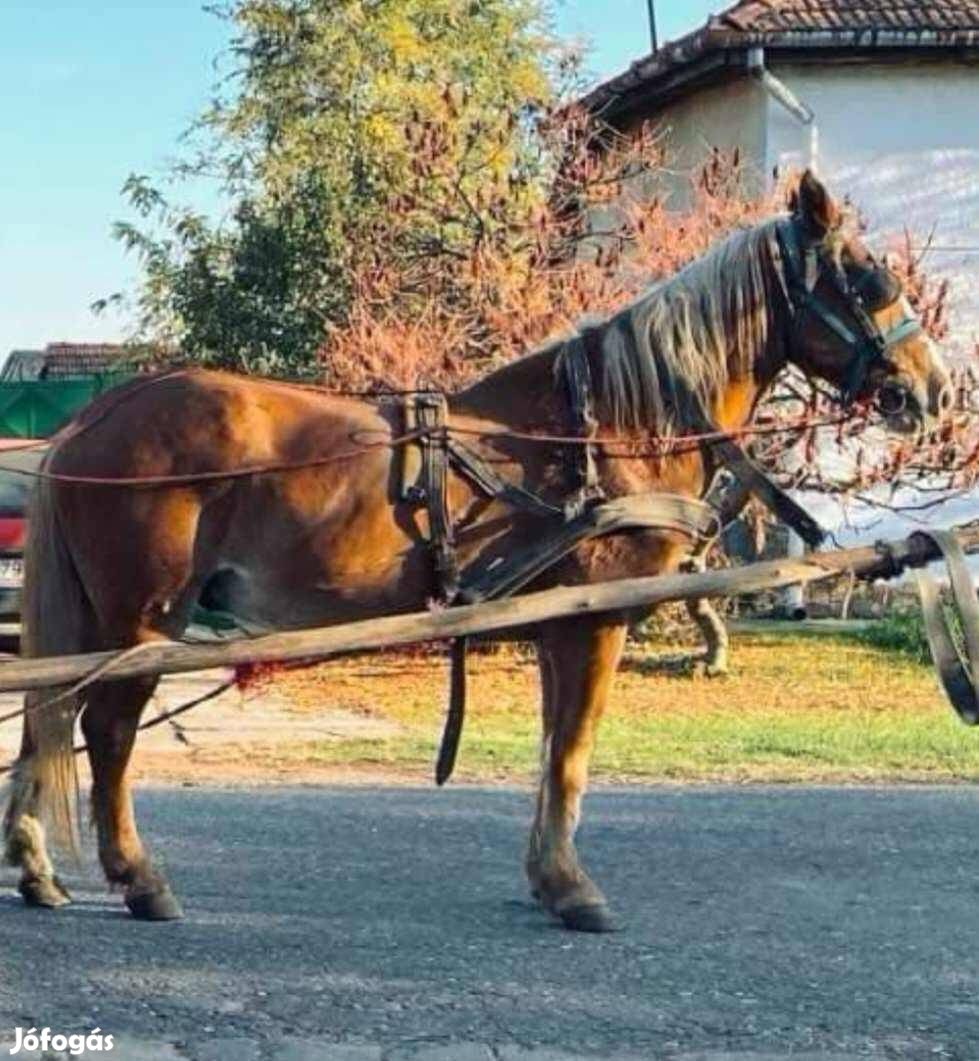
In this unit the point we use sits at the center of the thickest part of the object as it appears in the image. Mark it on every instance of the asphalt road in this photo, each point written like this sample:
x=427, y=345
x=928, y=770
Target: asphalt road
x=365, y=924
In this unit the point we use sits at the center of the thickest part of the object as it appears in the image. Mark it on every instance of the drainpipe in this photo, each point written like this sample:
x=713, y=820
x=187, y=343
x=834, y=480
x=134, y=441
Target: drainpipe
x=781, y=93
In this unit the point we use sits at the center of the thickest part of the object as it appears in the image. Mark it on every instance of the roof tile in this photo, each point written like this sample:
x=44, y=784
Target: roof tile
x=774, y=16
x=839, y=23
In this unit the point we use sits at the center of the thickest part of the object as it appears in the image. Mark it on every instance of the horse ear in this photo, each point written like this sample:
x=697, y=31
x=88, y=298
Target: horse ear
x=816, y=206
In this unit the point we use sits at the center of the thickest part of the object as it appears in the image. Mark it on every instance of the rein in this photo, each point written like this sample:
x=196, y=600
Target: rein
x=212, y=476
x=661, y=446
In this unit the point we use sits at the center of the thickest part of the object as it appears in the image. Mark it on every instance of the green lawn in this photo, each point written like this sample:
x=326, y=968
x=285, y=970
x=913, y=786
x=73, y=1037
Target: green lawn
x=797, y=707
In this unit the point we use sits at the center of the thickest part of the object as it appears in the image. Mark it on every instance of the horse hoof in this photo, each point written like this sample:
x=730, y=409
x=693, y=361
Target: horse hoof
x=590, y=918
x=47, y=892
x=158, y=905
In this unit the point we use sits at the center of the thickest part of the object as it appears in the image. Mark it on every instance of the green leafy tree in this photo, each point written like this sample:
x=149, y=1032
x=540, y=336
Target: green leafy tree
x=315, y=136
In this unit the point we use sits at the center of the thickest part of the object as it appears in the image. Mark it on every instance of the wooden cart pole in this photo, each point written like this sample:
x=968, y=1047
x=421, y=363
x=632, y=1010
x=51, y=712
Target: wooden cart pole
x=167, y=657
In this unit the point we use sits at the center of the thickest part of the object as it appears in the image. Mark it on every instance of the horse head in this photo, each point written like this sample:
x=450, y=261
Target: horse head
x=852, y=323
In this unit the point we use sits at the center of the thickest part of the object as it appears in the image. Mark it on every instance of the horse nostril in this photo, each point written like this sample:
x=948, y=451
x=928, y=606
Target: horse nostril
x=892, y=399
x=946, y=399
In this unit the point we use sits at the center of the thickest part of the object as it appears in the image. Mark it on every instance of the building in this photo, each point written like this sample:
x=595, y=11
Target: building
x=67, y=361
x=880, y=96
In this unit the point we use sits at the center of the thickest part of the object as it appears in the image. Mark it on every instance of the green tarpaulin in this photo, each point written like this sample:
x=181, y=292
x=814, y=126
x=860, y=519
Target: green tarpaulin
x=37, y=408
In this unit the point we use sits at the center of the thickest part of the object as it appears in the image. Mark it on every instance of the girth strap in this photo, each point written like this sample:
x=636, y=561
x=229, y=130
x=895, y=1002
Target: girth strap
x=959, y=677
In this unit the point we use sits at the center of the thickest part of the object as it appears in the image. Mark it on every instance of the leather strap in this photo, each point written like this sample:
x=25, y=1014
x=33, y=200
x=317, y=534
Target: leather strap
x=959, y=677
x=431, y=413
x=481, y=475
x=455, y=717
x=691, y=518
x=771, y=495
x=430, y=410
x=583, y=422
x=506, y=576
x=803, y=261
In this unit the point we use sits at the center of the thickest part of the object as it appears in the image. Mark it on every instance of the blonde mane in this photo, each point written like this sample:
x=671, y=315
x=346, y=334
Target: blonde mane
x=668, y=356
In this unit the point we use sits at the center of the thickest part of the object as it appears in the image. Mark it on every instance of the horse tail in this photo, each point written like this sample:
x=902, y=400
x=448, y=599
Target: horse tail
x=56, y=614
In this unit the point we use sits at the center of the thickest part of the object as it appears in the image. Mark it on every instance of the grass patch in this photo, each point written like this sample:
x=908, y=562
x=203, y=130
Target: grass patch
x=795, y=708
x=901, y=632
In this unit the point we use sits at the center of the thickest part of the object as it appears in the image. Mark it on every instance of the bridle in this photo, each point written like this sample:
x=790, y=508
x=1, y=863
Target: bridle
x=805, y=260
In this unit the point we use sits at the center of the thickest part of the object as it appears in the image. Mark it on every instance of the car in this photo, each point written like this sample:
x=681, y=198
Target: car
x=15, y=489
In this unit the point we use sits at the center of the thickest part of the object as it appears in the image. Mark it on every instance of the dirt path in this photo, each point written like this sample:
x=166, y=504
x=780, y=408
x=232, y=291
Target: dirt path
x=235, y=738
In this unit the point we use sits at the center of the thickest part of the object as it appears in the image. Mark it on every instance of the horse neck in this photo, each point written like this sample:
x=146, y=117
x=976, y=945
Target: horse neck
x=736, y=404
x=525, y=393
x=749, y=377
x=522, y=394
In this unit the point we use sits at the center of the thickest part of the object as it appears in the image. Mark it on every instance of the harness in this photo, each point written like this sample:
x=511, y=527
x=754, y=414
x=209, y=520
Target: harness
x=586, y=513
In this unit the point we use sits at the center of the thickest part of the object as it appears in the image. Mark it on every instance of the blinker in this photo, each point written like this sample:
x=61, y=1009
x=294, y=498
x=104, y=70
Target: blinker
x=877, y=286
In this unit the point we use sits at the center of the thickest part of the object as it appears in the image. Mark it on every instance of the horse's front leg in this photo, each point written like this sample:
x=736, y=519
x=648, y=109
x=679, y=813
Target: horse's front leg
x=582, y=657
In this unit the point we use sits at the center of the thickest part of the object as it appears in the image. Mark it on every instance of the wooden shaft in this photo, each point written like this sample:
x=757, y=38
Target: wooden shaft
x=166, y=657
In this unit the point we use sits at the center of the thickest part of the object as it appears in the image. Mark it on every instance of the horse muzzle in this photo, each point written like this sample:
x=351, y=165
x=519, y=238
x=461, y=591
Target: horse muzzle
x=910, y=408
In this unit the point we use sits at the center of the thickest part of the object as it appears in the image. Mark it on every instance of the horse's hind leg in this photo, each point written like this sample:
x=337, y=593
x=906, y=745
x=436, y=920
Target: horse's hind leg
x=549, y=691
x=109, y=722
x=25, y=844
x=583, y=656
x=713, y=629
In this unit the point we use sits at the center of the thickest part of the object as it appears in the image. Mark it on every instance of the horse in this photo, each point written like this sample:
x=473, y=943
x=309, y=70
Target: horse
x=283, y=501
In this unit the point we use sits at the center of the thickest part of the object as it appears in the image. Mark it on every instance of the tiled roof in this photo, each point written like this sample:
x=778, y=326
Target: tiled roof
x=787, y=16
x=83, y=359
x=65, y=360
x=797, y=24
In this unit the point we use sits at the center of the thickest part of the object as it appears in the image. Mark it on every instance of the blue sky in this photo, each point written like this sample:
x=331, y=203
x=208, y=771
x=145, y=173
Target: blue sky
x=91, y=90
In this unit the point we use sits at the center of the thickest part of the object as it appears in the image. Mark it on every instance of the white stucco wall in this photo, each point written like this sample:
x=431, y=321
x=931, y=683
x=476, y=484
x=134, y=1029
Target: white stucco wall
x=903, y=142
x=730, y=115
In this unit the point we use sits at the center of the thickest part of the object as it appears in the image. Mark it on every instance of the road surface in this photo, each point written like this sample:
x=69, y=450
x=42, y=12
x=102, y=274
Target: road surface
x=393, y=925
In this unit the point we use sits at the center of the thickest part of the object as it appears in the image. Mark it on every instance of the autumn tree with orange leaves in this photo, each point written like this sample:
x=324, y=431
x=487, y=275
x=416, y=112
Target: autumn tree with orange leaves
x=499, y=280
x=417, y=201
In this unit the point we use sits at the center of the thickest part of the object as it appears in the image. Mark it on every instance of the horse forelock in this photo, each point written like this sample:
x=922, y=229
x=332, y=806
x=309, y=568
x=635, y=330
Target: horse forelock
x=667, y=358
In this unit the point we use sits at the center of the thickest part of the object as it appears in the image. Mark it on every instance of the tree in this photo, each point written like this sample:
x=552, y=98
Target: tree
x=415, y=202
x=313, y=137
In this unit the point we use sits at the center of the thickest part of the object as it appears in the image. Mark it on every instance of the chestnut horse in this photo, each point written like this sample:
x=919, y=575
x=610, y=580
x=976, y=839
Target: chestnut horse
x=110, y=566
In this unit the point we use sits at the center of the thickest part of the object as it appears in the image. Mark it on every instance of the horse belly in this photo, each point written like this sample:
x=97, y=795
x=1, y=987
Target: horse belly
x=356, y=560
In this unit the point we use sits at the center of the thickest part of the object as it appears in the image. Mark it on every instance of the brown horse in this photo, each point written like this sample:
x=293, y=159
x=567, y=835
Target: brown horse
x=116, y=565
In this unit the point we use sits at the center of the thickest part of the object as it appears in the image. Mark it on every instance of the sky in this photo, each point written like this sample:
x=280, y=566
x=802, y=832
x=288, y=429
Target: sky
x=93, y=90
